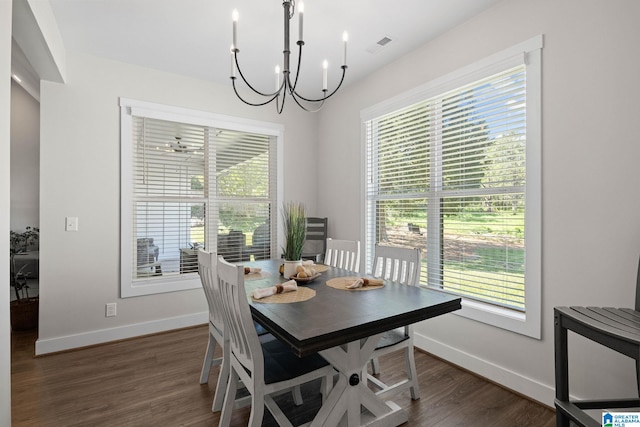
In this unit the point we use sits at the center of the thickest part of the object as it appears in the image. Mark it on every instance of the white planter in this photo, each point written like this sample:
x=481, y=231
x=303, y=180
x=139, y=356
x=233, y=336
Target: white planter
x=290, y=268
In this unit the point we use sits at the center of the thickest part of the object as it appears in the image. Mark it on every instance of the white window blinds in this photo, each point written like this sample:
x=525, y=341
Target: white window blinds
x=190, y=183
x=448, y=175
x=244, y=208
x=169, y=162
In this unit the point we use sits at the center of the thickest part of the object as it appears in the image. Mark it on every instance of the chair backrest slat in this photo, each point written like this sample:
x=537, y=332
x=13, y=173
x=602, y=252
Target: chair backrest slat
x=243, y=339
x=398, y=264
x=206, y=269
x=343, y=254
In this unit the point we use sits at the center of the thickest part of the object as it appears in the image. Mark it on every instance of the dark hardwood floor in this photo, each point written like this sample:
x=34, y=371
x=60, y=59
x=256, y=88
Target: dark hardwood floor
x=153, y=381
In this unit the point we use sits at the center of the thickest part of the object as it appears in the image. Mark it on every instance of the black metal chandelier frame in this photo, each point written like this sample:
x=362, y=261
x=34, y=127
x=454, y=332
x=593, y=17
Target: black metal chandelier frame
x=286, y=87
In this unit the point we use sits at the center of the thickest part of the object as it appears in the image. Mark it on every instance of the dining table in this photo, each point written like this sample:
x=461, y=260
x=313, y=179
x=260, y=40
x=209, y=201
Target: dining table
x=344, y=326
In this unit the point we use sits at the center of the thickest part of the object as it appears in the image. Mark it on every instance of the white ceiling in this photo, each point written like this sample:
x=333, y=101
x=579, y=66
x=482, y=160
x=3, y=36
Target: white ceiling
x=193, y=37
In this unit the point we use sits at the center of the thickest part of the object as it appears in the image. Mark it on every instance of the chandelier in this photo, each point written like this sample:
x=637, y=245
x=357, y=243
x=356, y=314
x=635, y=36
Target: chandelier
x=284, y=86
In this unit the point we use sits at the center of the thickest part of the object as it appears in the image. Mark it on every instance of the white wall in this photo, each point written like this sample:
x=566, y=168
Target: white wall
x=5, y=119
x=25, y=158
x=79, y=176
x=591, y=227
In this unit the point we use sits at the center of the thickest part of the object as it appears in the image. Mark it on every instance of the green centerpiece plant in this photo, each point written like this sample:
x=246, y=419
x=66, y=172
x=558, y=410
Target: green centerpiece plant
x=294, y=220
x=295, y=230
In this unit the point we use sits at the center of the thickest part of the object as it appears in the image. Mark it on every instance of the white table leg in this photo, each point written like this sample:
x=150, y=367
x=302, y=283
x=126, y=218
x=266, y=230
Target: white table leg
x=351, y=394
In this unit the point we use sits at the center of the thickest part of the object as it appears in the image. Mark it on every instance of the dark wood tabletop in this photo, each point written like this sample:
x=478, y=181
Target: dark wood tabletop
x=335, y=317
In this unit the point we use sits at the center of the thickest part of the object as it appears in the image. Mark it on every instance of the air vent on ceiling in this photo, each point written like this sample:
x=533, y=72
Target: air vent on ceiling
x=383, y=42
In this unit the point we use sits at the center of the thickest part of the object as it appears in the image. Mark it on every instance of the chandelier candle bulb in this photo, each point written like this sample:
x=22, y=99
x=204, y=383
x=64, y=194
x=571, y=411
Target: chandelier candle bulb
x=345, y=38
x=234, y=16
x=325, y=65
x=300, y=14
x=277, y=78
x=233, y=65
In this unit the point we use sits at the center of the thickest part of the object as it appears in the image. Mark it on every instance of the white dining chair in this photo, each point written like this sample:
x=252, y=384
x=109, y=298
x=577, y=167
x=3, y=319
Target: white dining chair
x=206, y=264
x=343, y=254
x=401, y=265
x=267, y=368
x=206, y=268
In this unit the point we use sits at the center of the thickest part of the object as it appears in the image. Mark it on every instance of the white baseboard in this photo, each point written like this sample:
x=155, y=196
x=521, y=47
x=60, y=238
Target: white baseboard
x=533, y=389
x=68, y=342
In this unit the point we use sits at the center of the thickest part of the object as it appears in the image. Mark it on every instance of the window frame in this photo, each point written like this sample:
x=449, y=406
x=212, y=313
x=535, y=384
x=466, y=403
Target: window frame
x=529, y=53
x=129, y=108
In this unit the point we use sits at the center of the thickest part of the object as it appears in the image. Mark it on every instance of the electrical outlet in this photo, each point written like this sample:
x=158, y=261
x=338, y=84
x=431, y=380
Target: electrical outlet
x=110, y=310
x=71, y=223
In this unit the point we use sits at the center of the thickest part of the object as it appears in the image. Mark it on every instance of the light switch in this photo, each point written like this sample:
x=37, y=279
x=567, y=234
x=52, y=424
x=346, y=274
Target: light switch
x=71, y=223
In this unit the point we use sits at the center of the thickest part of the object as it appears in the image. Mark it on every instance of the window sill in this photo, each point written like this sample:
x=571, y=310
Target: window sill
x=527, y=324
x=160, y=285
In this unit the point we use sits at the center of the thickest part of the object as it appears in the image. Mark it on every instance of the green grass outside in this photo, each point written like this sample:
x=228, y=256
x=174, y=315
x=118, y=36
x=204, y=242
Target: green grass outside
x=497, y=260
x=481, y=223
x=484, y=285
x=494, y=260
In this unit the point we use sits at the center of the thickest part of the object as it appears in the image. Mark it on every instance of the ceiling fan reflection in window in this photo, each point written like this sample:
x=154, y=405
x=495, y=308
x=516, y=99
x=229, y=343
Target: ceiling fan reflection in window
x=180, y=146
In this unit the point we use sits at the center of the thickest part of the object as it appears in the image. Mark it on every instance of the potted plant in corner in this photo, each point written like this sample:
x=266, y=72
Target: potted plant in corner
x=24, y=309
x=295, y=231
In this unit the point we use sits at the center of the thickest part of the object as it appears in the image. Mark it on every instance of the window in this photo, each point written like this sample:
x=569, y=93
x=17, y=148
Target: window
x=454, y=169
x=192, y=180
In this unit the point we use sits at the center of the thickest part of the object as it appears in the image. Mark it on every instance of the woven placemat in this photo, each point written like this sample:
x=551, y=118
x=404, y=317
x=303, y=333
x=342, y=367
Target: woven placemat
x=319, y=268
x=342, y=283
x=257, y=276
x=302, y=294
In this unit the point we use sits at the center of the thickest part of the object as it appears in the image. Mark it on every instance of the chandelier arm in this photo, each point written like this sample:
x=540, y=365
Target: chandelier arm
x=235, y=55
x=280, y=107
x=344, y=70
x=305, y=108
x=253, y=104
